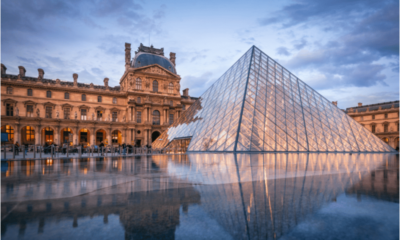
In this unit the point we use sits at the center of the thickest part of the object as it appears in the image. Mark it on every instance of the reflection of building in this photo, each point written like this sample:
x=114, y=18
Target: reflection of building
x=259, y=106
x=38, y=110
x=382, y=119
x=251, y=196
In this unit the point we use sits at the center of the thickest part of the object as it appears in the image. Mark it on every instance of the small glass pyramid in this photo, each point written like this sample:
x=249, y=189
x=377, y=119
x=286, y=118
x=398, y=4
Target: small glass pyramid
x=259, y=106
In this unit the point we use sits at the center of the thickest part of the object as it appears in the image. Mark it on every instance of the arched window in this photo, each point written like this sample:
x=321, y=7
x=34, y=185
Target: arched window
x=48, y=94
x=386, y=140
x=29, y=93
x=155, y=86
x=156, y=117
x=99, y=99
x=170, y=88
x=114, y=100
x=138, y=83
x=66, y=95
x=386, y=115
x=83, y=97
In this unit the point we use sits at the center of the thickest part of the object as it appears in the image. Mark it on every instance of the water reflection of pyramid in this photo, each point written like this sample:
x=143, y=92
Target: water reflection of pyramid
x=257, y=105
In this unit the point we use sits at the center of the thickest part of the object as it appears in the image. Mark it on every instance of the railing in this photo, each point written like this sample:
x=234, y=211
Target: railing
x=15, y=152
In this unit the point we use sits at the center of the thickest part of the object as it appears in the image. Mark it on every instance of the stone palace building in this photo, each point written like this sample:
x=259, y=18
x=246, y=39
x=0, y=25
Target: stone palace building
x=382, y=119
x=36, y=110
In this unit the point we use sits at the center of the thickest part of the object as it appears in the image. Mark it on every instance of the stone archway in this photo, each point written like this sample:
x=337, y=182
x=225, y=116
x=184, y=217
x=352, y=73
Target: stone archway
x=155, y=135
x=47, y=135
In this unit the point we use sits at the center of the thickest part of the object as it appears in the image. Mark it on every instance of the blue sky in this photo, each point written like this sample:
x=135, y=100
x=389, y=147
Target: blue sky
x=348, y=50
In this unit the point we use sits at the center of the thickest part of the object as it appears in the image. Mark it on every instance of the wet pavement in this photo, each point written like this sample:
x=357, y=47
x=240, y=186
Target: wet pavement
x=203, y=196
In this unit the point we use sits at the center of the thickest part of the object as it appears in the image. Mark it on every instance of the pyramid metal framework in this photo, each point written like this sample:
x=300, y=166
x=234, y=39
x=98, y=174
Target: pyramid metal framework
x=259, y=106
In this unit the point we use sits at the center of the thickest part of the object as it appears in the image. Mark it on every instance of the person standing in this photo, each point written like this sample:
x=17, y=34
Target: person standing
x=16, y=148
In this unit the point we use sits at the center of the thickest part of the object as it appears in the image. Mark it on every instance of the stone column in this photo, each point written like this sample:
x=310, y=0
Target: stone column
x=17, y=134
x=38, y=135
x=109, y=137
x=129, y=115
x=93, y=137
x=133, y=114
x=56, y=135
x=125, y=136
x=76, y=136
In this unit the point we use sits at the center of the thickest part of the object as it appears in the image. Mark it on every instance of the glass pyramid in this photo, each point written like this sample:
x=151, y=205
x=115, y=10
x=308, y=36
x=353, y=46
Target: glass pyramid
x=259, y=106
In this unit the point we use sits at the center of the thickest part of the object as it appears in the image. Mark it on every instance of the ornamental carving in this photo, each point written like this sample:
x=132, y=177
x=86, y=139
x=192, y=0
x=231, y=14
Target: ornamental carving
x=155, y=70
x=147, y=83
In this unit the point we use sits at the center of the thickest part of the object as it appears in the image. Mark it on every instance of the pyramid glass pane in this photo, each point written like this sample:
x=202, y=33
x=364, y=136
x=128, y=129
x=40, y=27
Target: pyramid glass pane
x=259, y=106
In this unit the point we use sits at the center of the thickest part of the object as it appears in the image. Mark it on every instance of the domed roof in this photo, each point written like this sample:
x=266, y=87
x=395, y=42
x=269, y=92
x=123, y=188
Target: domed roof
x=145, y=59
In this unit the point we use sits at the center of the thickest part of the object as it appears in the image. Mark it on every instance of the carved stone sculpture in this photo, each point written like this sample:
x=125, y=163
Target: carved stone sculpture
x=178, y=87
x=16, y=111
x=147, y=99
x=92, y=116
x=124, y=118
x=57, y=114
x=76, y=115
x=38, y=112
x=147, y=83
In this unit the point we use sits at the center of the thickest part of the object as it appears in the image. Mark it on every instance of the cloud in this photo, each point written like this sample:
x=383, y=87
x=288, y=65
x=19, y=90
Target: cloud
x=283, y=51
x=357, y=48
x=197, y=84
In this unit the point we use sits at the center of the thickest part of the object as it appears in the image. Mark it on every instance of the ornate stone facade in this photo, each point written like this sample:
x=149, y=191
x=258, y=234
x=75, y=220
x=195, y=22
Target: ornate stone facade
x=382, y=119
x=36, y=110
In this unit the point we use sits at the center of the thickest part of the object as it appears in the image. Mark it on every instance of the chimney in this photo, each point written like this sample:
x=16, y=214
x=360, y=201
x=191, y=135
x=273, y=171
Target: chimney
x=41, y=74
x=75, y=77
x=172, y=57
x=3, y=69
x=127, y=55
x=186, y=92
x=359, y=104
x=334, y=103
x=106, y=82
x=22, y=71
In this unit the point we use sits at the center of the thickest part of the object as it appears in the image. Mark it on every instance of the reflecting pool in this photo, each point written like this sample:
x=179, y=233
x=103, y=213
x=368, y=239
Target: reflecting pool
x=203, y=196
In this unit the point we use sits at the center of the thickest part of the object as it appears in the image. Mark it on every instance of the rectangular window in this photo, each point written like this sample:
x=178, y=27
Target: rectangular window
x=67, y=112
x=99, y=115
x=373, y=128
x=114, y=116
x=171, y=118
x=385, y=128
x=48, y=112
x=48, y=94
x=30, y=92
x=9, y=110
x=9, y=90
x=139, y=100
x=66, y=95
x=29, y=110
x=386, y=115
x=138, y=117
x=373, y=117
x=84, y=136
x=183, y=107
x=29, y=133
x=83, y=114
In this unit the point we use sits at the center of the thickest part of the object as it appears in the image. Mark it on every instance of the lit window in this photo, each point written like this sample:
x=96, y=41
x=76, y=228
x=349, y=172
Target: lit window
x=48, y=94
x=99, y=99
x=66, y=95
x=8, y=129
x=29, y=92
x=386, y=140
x=84, y=135
x=138, y=83
x=115, y=136
x=48, y=135
x=155, y=86
x=29, y=133
x=99, y=115
x=83, y=97
x=170, y=88
x=138, y=117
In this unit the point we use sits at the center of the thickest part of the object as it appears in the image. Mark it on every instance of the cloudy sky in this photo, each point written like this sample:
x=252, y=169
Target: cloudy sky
x=346, y=49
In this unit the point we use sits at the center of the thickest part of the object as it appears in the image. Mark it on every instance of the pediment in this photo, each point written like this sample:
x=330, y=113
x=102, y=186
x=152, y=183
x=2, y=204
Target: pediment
x=67, y=105
x=29, y=102
x=155, y=69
